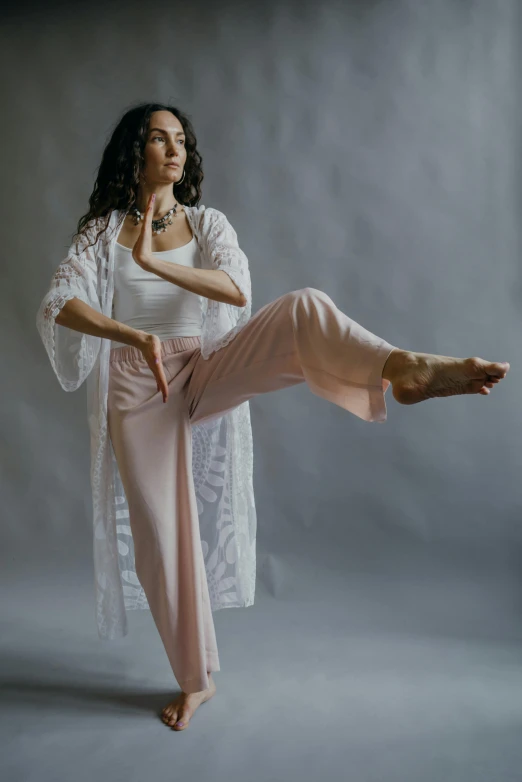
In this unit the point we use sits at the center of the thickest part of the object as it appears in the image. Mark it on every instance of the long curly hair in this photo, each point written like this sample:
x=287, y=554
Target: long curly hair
x=123, y=160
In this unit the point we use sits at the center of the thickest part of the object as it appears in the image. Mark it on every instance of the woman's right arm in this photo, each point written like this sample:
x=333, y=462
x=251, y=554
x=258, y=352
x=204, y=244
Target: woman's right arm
x=79, y=316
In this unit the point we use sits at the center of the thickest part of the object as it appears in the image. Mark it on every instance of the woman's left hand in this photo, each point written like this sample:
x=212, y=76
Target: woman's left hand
x=142, y=250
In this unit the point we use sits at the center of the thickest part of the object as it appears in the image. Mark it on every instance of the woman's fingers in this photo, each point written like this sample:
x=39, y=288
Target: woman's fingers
x=143, y=246
x=152, y=354
x=161, y=380
x=146, y=228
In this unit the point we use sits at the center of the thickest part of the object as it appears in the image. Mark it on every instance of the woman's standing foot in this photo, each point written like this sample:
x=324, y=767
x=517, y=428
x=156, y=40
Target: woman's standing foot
x=183, y=707
x=419, y=376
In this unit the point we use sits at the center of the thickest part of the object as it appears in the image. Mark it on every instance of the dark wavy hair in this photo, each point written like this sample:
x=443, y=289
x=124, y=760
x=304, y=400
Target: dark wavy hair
x=123, y=160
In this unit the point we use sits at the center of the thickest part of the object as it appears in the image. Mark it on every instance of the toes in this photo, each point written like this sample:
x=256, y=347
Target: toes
x=183, y=720
x=497, y=369
x=175, y=713
x=169, y=714
x=494, y=370
x=504, y=366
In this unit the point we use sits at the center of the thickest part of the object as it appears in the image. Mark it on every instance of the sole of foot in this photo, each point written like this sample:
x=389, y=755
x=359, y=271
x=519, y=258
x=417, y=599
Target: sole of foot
x=419, y=376
x=182, y=708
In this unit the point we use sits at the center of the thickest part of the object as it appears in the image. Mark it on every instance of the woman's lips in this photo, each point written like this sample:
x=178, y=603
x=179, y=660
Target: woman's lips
x=172, y=165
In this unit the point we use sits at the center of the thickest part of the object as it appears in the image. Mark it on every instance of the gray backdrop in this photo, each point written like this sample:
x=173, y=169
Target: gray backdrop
x=370, y=149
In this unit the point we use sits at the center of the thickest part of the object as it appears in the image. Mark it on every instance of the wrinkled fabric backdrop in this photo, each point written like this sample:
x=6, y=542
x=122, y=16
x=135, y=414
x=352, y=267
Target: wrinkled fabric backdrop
x=369, y=149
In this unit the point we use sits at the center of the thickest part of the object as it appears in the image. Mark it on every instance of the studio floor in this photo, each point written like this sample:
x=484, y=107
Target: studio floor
x=358, y=675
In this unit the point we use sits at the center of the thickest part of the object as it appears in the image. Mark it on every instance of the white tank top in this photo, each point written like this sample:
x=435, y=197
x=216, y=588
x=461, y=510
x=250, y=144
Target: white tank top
x=147, y=302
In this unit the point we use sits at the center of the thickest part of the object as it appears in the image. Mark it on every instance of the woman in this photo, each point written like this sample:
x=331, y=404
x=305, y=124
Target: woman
x=152, y=307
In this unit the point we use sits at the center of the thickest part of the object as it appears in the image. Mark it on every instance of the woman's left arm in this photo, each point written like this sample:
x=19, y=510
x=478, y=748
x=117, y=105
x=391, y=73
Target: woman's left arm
x=213, y=284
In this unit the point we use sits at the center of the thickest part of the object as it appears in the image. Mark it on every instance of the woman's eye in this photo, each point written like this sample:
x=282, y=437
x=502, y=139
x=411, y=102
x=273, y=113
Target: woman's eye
x=162, y=139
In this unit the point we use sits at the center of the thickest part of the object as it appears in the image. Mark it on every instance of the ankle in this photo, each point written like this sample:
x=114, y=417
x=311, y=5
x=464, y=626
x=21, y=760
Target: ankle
x=396, y=363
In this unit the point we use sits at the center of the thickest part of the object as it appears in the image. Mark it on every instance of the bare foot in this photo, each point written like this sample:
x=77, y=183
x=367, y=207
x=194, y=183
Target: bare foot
x=183, y=707
x=419, y=376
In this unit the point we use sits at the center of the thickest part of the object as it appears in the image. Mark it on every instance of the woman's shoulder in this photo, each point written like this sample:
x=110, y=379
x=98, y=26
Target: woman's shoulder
x=101, y=225
x=202, y=212
x=206, y=219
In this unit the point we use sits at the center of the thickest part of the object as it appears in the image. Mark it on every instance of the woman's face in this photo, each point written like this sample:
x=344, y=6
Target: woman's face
x=165, y=144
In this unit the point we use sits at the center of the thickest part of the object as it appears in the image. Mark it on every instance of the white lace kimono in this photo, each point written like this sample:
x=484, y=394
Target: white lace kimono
x=222, y=448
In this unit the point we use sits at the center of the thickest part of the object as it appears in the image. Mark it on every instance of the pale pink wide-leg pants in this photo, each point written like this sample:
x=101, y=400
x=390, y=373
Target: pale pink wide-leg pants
x=300, y=337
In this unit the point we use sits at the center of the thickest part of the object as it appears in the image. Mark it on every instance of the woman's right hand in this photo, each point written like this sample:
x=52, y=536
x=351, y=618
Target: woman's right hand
x=150, y=346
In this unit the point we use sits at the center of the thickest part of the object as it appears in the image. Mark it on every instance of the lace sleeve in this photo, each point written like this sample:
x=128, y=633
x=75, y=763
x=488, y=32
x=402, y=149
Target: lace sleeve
x=223, y=321
x=72, y=354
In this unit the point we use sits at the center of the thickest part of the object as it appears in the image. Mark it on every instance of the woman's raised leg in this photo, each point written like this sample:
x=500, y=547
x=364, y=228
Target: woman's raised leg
x=303, y=336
